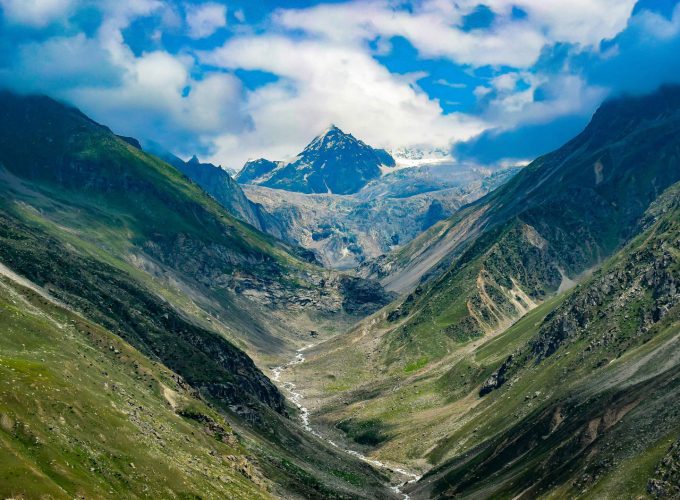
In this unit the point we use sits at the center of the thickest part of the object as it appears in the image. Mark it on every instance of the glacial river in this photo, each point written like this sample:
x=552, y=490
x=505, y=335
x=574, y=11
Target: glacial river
x=296, y=397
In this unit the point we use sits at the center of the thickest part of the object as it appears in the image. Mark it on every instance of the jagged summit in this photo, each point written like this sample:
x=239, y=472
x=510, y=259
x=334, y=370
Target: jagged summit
x=334, y=162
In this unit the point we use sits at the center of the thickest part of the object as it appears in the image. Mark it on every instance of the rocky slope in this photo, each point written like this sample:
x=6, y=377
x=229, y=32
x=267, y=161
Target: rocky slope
x=494, y=368
x=334, y=162
x=593, y=188
x=601, y=380
x=129, y=244
x=217, y=182
x=346, y=231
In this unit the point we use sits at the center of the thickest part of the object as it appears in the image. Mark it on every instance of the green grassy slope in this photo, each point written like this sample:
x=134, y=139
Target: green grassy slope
x=588, y=403
x=406, y=381
x=83, y=413
x=136, y=248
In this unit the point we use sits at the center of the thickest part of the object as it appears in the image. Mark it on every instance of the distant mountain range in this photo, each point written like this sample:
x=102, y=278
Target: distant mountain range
x=343, y=231
x=334, y=162
x=347, y=202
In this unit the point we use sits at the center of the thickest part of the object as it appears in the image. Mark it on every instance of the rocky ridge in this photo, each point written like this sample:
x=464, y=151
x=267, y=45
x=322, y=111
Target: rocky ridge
x=334, y=162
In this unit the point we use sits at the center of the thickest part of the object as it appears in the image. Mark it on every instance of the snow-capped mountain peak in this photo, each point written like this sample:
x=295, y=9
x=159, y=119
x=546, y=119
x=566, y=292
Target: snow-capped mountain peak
x=333, y=162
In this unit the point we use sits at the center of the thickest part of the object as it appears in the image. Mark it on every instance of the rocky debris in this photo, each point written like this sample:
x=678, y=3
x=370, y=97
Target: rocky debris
x=666, y=480
x=345, y=231
x=363, y=297
x=210, y=426
x=261, y=279
x=614, y=295
x=497, y=378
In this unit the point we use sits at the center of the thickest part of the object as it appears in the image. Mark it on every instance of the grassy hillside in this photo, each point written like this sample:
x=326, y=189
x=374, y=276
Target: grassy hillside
x=83, y=413
x=132, y=245
x=405, y=384
x=588, y=404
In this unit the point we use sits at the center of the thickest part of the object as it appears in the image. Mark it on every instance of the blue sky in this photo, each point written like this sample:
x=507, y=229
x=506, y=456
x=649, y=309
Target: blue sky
x=494, y=81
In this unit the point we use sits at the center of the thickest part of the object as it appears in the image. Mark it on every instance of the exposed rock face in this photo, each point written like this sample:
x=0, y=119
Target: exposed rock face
x=666, y=480
x=346, y=231
x=218, y=183
x=256, y=169
x=363, y=296
x=497, y=378
x=630, y=297
x=334, y=162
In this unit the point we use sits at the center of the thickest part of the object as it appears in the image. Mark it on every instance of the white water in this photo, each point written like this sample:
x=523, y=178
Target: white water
x=296, y=397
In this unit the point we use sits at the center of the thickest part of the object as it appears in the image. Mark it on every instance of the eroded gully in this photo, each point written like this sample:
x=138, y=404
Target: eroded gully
x=296, y=397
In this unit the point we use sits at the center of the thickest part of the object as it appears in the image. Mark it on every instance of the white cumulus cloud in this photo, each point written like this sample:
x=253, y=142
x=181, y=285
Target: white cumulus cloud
x=322, y=83
x=205, y=19
x=36, y=13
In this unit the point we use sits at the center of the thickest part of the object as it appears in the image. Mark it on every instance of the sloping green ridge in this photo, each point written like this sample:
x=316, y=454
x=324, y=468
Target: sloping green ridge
x=82, y=413
x=134, y=246
x=113, y=299
x=561, y=215
x=590, y=402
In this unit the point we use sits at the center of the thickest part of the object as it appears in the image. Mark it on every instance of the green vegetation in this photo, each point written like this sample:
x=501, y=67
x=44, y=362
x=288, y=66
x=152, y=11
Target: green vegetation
x=533, y=382
x=84, y=414
x=369, y=432
x=126, y=241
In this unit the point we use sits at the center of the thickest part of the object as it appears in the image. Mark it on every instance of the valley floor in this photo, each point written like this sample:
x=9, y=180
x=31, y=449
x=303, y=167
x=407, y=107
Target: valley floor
x=595, y=418
x=400, y=477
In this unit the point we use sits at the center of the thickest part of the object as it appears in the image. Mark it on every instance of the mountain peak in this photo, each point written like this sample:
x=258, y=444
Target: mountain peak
x=334, y=162
x=333, y=138
x=194, y=160
x=332, y=129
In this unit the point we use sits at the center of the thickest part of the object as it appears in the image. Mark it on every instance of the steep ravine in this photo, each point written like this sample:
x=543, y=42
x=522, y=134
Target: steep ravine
x=297, y=397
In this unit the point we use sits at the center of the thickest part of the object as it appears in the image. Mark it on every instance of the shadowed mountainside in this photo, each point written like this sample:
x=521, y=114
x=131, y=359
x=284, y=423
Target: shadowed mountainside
x=125, y=242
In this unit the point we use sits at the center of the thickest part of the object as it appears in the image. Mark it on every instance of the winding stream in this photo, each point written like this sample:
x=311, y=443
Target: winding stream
x=296, y=397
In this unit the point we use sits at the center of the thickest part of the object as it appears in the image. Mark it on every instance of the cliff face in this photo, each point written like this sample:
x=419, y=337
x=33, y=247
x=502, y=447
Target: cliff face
x=219, y=184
